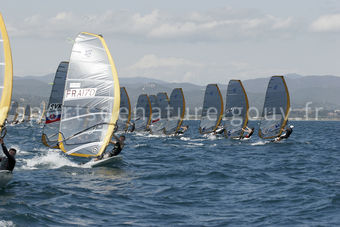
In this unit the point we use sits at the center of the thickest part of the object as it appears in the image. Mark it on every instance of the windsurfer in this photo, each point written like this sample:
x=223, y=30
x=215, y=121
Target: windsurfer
x=220, y=129
x=183, y=129
x=286, y=134
x=248, y=130
x=118, y=146
x=8, y=162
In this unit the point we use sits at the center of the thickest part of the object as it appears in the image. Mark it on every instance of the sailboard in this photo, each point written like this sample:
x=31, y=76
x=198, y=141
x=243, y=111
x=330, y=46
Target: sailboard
x=275, y=109
x=53, y=114
x=13, y=115
x=91, y=100
x=236, y=110
x=104, y=162
x=143, y=113
x=176, y=112
x=6, y=73
x=157, y=126
x=212, y=112
x=124, y=111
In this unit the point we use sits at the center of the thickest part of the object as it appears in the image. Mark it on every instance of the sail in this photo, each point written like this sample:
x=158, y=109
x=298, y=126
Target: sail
x=236, y=109
x=13, y=115
x=155, y=109
x=212, y=111
x=276, y=108
x=53, y=113
x=157, y=126
x=21, y=113
x=91, y=100
x=6, y=73
x=27, y=113
x=124, y=111
x=177, y=112
x=41, y=112
x=143, y=113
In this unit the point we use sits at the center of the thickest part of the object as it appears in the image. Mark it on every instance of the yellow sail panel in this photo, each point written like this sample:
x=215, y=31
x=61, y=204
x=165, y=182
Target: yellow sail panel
x=6, y=73
x=91, y=101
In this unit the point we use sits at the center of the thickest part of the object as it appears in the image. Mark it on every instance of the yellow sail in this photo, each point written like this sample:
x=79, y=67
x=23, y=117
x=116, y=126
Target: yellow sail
x=6, y=73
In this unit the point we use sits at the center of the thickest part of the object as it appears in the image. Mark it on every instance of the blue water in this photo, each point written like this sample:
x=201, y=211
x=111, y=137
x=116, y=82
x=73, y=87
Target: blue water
x=190, y=180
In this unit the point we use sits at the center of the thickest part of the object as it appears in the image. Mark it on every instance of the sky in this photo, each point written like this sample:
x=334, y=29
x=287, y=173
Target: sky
x=181, y=41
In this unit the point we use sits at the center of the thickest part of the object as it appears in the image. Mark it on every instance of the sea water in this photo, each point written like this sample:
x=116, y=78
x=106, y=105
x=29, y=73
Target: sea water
x=189, y=180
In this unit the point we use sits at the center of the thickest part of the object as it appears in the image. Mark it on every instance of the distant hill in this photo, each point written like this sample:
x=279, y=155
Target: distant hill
x=323, y=91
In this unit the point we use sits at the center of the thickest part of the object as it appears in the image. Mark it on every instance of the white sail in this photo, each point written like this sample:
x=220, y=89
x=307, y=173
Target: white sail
x=143, y=113
x=91, y=100
x=177, y=112
x=124, y=111
x=276, y=108
x=27, y=116
x=53, y=113
x=41, y=114
x=212, y=111
x=157, y=126
x=236, y=109
x=13, y=115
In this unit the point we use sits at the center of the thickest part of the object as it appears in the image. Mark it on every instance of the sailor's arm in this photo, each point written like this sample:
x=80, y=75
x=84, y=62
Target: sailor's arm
x=116, y=139
x=4, y=148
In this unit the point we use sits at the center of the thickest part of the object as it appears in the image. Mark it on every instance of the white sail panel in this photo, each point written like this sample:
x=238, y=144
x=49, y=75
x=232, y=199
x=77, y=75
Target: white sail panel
x=143, y=113
x=276, y=108
x=124, y=111
x=177, y=112
x=6, y=73
x=236, y=110
x=91, y=100
x=212, y=111
x=53, y=113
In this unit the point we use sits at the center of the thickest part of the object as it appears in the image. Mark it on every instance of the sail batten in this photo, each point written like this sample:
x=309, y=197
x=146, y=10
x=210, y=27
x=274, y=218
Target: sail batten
x=275, y=109
x=91, y=99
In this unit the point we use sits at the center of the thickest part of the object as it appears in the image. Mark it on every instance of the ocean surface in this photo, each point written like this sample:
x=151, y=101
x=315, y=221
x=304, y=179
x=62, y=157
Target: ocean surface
x=191, y=180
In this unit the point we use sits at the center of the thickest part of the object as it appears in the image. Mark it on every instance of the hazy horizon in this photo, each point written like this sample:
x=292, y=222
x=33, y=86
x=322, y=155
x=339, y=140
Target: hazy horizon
x=192, y=41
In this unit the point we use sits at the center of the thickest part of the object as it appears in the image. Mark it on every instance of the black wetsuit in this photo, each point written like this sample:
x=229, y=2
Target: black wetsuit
x=287, y=133
x=132, y=127
x=8, y=162
x=117, y=148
